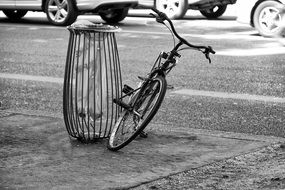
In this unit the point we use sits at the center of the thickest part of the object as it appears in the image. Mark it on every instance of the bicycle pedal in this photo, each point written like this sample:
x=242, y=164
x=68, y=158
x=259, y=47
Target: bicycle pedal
x=127, y=90
x=122, y=104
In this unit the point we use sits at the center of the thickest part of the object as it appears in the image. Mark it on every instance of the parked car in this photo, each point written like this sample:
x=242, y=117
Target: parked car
x=175, y=9
x=65, y=12
x=263, y=15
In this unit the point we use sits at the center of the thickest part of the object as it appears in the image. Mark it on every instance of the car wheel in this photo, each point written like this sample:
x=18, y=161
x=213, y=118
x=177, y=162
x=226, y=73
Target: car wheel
x=174, y=9
x=214, y=12
x=281, y=33
x=61, y=12
x=15, y=14
x=114, y=15
x=266, y=18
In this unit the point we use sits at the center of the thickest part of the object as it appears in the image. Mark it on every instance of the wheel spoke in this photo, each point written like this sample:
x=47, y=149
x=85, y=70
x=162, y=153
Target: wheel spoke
x=52, y=2
x=170, y=6
x=63, y=4
x=151, y=101
x=57, y=16
x=264, y=17
x=126, y=128
x=58, y=10
x=57, y=3
x=52, y=8
x=267, y=12
x=63, y=13
x=174, y=5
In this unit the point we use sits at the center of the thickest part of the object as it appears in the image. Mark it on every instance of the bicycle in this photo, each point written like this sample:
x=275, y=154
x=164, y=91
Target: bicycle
x=144, y=101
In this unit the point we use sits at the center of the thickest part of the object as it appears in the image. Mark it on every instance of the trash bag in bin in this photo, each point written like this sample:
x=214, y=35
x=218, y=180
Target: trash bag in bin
x=92, y=84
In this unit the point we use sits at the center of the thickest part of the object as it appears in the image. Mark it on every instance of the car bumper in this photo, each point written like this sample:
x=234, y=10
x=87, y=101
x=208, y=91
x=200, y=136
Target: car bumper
x=150, y=3
x=146, y=3
x=91, y=5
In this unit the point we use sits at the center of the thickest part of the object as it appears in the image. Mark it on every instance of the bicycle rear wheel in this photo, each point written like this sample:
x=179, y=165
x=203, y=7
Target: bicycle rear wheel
x=132, y=123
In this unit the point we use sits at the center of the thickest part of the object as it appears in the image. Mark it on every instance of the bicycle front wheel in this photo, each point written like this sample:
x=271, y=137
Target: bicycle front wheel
x=131, y=123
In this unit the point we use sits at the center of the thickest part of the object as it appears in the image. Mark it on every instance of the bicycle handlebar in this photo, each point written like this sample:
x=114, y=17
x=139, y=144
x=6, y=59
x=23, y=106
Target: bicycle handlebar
x=161, y=17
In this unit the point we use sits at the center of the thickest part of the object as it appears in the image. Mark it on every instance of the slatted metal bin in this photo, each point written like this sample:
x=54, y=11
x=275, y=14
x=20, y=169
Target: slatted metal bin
x=92, y=80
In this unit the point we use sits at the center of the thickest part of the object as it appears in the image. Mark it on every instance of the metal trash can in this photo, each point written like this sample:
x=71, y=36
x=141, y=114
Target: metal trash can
x=92, y=80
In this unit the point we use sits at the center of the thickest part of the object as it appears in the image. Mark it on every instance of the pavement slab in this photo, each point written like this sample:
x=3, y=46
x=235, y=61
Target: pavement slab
x=37, y=153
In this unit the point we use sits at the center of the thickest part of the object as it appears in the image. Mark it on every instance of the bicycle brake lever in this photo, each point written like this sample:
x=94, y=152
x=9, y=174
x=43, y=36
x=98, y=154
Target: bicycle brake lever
x=153, y=15
x=158, y=18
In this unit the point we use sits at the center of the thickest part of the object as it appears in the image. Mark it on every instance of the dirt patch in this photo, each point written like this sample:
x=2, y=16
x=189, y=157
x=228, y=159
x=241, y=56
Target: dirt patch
x=262, y=169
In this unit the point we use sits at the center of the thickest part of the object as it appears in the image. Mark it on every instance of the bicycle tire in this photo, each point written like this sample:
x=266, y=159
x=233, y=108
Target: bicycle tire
x=136, y=125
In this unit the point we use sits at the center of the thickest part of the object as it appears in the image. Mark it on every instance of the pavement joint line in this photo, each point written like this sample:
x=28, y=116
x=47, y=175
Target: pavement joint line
x=252, y=51
x=32, y=113
x=236, y=36
x=37, y=113
x=233, y=36
x=32, y=78
x=226, y=95
x=189, y=92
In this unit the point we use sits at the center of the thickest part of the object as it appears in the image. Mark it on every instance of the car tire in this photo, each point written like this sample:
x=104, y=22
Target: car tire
x=266, y=17
x=15, y=14
x=61, y=12
x=114, y=15
x=214, y=12
x=173, y=9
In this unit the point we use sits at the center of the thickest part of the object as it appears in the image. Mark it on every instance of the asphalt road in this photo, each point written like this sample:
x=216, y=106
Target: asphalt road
x=241, y=91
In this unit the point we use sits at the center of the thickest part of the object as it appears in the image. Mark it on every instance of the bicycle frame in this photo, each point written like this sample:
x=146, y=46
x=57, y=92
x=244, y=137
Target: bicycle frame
x=158, y=68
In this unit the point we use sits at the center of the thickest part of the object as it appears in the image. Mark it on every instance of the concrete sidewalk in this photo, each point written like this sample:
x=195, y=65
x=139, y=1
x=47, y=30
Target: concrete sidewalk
x=36, y=153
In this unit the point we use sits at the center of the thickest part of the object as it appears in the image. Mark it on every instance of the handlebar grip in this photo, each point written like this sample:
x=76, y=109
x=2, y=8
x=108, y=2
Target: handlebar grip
x=161, y=15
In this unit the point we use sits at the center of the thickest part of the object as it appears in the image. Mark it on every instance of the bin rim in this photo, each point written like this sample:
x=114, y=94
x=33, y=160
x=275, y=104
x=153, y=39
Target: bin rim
x=94, y=27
